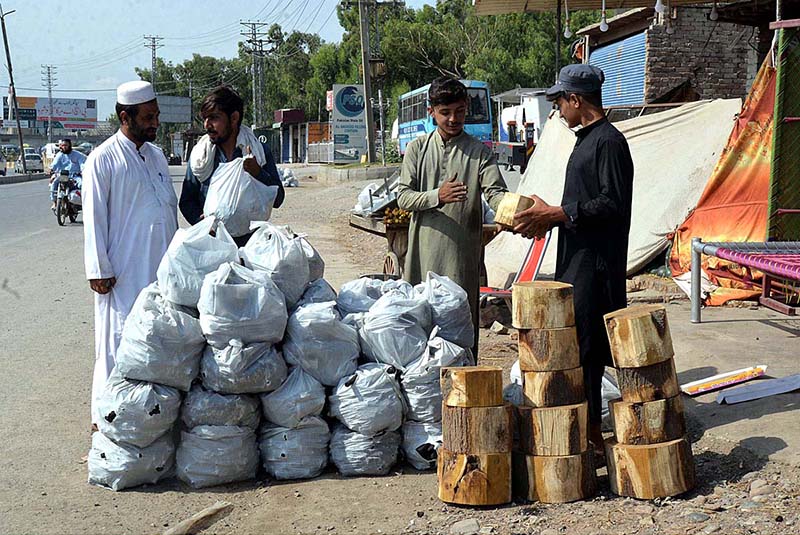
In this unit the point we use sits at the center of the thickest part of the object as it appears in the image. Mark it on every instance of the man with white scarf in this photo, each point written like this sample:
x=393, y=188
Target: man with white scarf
x=226, y=139
x=129, y=218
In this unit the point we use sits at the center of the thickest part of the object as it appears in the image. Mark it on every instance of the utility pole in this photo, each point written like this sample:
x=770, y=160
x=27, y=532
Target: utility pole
x=11, y=87
x=363, y=17
x=48, y=80
x=153, y=45
x=253, y=35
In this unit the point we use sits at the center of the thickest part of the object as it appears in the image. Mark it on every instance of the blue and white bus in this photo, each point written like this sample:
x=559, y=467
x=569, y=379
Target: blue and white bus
x=414, y=121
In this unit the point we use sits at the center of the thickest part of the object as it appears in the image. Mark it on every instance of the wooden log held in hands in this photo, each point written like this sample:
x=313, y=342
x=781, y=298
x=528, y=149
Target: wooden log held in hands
x=474, y=479
x=650, y=422
x=472, y=386
x=551, y=389
x=553, y=431
x=477, y=429
x=542, y=305
x=650, y=471
x=545, y=350
x=639, y=336
x=510, y=205
x=649, y=383
x=558, y=479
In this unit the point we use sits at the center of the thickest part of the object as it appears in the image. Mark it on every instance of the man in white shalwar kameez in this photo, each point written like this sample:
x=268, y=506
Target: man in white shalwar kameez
x=130, y=216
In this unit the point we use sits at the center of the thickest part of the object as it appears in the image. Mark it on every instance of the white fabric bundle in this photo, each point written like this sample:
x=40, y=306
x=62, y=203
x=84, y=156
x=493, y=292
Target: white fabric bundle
x=242, y=369
x=192, y=254
x=449, y=309
x=211, y=455
x=274, y=249
x=237, y=198
x=318, y=341
x=355, y=454
x=299, y=396
x=420, y=380
x=237, y=302
x=205, y=407
x=120, y=466
x=396, y=328
x=421, y=442
x=159, y=343
x=136, y=412
x=300, y=452
x=370, y=401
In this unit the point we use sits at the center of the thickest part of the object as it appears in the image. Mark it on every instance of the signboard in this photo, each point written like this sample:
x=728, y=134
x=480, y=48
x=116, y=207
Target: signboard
x=174, y=109
x=318, y=132
x=329, y=101
x=69, y=113
x=348, y=123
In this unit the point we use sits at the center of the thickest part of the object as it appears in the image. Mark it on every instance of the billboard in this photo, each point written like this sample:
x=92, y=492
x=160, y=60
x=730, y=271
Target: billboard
x=349, y=123
x=174, y=109
x=69, y=113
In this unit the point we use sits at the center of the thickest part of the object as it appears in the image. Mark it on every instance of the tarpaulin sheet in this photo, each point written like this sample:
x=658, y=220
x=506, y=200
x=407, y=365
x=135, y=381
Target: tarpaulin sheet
x=733, y=207
x=674, y=153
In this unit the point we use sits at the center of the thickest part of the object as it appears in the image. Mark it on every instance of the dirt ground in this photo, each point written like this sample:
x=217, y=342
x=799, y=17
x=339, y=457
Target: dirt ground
x=43, y=485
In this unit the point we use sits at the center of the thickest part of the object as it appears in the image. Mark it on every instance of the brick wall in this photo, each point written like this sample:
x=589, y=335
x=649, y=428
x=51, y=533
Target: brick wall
x=716, y=58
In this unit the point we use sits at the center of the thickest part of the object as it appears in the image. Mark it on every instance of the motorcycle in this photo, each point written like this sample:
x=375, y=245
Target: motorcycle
x=68, y=198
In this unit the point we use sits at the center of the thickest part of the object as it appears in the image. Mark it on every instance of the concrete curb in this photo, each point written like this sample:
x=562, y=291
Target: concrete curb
x=19, y=179
x=332, y=175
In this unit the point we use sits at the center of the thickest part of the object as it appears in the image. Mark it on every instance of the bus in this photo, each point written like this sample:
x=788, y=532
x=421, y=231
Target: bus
x=414, y=121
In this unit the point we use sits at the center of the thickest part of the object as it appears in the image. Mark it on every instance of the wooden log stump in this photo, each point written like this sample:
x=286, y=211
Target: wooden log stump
x=650, y=471
x=649, y=383
x=474, y=479
x=650, y=422
x=472, y=386
x=542, y=305
x=639, y=336
x=477, y=429
x=544, y=350
x=559, y=479
x=510, y=205
x=554, y=431
x=552, y=389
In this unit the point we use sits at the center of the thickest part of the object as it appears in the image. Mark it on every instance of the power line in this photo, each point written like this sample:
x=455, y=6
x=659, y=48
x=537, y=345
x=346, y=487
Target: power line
x=254, y=35
x=48, y=80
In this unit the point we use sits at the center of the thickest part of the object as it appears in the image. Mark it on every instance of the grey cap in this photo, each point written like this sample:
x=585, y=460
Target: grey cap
x=577, y=78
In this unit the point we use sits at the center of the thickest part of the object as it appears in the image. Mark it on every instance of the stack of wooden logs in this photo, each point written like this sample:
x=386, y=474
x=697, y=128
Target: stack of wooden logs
x=474, y=462
x=552, y=461
x=650, y=455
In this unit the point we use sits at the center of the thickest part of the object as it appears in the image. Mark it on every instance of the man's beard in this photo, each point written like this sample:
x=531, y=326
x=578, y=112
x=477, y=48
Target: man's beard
x=66, y=151
x=220, y=139
x=140, y=134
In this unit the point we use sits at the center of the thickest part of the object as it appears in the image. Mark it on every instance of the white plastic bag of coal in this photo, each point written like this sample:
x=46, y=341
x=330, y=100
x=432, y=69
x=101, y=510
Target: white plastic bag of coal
x=355, y=454
x=369, y=401
x=318, y=291
x=512, y=392
x=420, y=380
x=160, y=343
x=205, y=407
x=449, y=309
x=295, y=453
x=136, y=412
x=192, y=254
x=211, y=455
x=396, y=328
x=237, y=302
x=120, y=466
x=421, y=442
x=299, y=396
x=316, y=265
x=358, y=295
x=276, y=251
x=318, y=341
x=242, y=369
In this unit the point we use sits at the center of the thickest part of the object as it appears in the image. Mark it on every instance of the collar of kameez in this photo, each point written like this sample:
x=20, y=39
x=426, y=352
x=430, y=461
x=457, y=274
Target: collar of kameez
x=455, y=140
x=583, y=132
x=130, y=144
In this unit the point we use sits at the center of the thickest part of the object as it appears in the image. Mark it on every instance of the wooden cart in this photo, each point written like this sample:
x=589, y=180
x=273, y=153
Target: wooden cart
x=397, y=240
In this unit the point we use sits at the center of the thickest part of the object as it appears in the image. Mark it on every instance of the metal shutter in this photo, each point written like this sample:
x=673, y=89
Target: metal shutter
x=623, y=64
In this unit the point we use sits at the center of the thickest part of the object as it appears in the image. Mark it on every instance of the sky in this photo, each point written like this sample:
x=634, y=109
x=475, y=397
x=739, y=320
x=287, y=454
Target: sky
x=94, y=49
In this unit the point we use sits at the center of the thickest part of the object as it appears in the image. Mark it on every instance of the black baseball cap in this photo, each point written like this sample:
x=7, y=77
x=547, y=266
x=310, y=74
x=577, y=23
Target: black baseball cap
x=577, y=78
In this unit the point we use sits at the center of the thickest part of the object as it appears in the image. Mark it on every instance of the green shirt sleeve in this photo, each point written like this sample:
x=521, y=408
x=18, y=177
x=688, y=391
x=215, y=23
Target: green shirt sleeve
x=409, y=196
x=492, y=184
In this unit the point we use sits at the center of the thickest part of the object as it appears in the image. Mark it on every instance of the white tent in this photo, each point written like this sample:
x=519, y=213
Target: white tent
x=674, y=153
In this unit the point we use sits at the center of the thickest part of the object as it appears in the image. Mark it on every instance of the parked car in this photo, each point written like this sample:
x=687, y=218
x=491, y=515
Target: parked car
x=32, y=161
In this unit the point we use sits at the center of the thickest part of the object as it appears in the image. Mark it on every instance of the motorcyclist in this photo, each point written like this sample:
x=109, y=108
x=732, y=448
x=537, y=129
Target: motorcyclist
x=68, y=159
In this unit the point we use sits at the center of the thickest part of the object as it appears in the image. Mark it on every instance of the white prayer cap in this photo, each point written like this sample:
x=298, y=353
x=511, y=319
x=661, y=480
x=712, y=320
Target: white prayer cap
x=138, y=92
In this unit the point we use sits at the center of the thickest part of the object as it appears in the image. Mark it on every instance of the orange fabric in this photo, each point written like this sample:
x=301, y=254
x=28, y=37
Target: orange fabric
x=733, y=206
